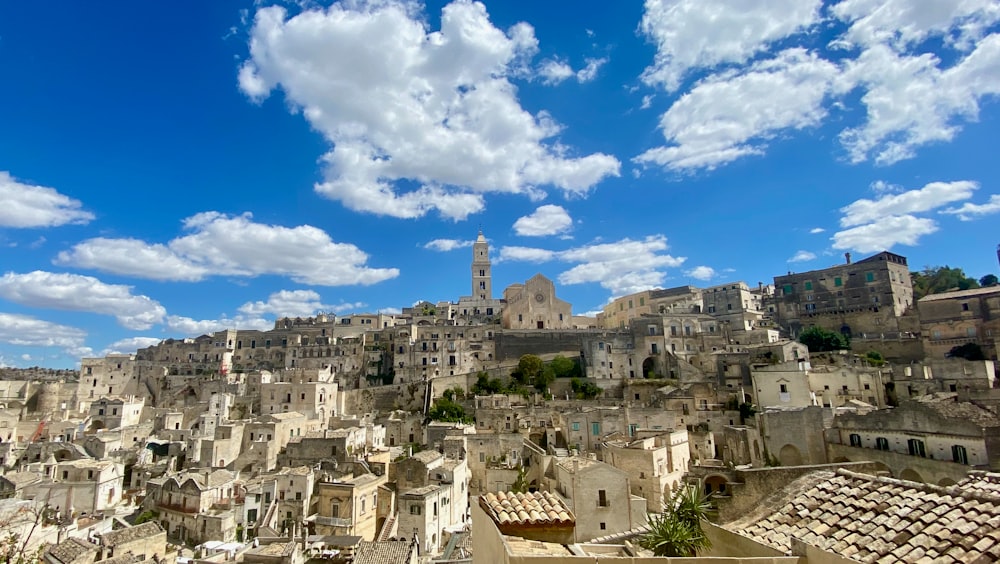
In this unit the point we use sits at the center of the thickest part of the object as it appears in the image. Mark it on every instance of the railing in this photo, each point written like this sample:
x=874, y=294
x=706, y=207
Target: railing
x=333, y=521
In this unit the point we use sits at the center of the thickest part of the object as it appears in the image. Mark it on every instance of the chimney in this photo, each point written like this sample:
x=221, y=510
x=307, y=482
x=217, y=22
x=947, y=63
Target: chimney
x=848, y=257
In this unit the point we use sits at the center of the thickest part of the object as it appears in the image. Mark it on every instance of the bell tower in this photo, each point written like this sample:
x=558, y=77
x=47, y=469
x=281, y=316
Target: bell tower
x=482, y=285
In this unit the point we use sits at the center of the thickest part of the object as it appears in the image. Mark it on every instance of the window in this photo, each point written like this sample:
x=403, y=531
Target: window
x=787, y=290
x=809, y=285
x=855, y=440
x=602, y=498
x=576, y=426
x=916, y=448
x=335, y=510
x=959, y=455
x=965, y=307
x=595, y=429
x=881, y=443
x=838, y=281
x=869, y=277
x=415, y=509
x=783, y=388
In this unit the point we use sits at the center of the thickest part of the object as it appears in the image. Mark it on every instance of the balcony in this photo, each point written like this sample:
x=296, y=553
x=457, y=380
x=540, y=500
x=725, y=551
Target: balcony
x=332, y=521
x=177, y=507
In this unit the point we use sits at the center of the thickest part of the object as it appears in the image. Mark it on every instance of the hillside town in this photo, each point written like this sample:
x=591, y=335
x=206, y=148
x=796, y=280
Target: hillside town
x=826, y=416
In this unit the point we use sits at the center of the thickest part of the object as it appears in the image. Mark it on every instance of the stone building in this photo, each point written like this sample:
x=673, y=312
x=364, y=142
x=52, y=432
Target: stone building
x=800, y=384
x=113, y=375
x=196, y=506
x=82, y=486
x=952, y=319
x=655, y=462
x=534, y=305
x=619, y=312
x=855, y=298
x=115, y=412
x=348, y=506
x=933, y=439
x=598, y=494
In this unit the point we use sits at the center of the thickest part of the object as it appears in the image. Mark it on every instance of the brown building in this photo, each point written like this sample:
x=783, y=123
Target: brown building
x=855, y=298
x=952, y=319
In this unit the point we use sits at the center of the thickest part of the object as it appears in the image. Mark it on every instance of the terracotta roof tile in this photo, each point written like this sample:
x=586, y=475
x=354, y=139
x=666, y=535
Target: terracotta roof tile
x=876, y=519
x=526, y=508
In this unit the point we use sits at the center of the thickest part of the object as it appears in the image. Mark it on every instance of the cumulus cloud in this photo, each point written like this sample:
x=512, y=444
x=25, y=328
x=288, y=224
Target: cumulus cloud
x=73, y=292
x=816, y=230
x=294, y=303
x=445, y=245
x=546, y=220
x=412, y=106
x=622, y=267
x=911, y=101
x=691, y=34
x=802, y=256
x=130, y=345
x=589, y=72
x=931, y=196
x=29, y=331
x=704, y=273
x=232, y=246
x=879, y=224
x=554, y=71
x=733, y=114
x=27, y=205
x=970, y=211
x=884, y=234
x=196, y=327
x=903, y=23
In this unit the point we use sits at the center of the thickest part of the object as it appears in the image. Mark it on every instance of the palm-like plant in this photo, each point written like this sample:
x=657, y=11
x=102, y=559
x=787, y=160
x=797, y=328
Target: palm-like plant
x=677, y=531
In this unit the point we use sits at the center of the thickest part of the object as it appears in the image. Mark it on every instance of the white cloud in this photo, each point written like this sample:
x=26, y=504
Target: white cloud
x=554, y=71
x=130, y=345
x=525, y=254
x=26, y=205
x=802, y=256
x=911, y=102
x=546, y=220
x=445, y=245
x=969, y=211
x=589, y=72
x=816, y=230
x=647, y=101
x=732, y=114
x=931, y=196
x=197, y=327
x=32, y=332
x=701, y=273
x=73, y=292
x=295, y=303
x=435, y=108
x=622, y=267
x=884, y=234
x=691, y=34
x=232, y=246
x=904, y=23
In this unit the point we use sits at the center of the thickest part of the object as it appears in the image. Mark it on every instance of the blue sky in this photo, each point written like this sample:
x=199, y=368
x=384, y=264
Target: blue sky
x=168, y=170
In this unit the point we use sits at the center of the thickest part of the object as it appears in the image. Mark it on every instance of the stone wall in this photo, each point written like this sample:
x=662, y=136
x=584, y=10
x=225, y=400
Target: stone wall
x=512, y=345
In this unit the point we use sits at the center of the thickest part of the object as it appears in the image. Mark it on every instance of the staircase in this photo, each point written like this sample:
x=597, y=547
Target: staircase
x=388, y=529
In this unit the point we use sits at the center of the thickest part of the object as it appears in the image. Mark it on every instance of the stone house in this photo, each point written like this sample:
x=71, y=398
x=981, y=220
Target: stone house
x=82, y=486
x=349, y=506
x=116, y=412
x=655, y=463
x=147, y=541
x=800, y=383
x=598, y=494
x=196, y=506
x=934, y=439
x=956, y=375
x=951, y=319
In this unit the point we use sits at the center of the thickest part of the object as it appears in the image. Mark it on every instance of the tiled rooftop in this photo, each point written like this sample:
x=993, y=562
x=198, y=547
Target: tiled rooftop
x=537, y=508
x=884, y=520
x=383, y=552
x=130, y=534
x=70, y=549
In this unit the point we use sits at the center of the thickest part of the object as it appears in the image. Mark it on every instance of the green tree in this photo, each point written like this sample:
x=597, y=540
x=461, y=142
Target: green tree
x=528, y=368
x=968, y=351
x=583, y=389
x=448, y=410
x=937, y=279
x=820, y=340
x=677, y=532
x=544, y=378
x=563, y=367
x=875, y=358
x=989, y=281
